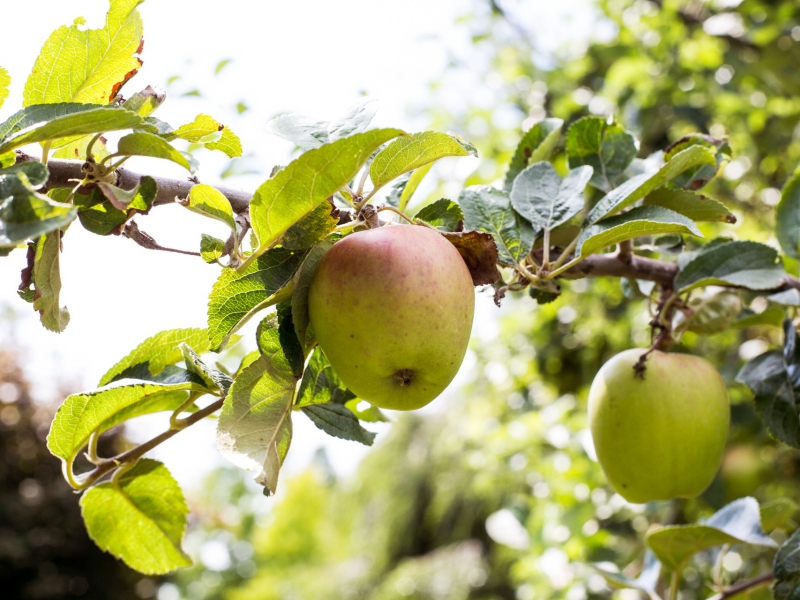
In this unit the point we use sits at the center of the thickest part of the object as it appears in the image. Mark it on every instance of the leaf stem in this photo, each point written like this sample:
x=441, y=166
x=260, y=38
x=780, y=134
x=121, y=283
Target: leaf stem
x=546, y=250
x=397, y=212
x=46, y=152
x=674, y=582
x=362, y=181
x=565, y=254
x=742, y=586
x=174, y=421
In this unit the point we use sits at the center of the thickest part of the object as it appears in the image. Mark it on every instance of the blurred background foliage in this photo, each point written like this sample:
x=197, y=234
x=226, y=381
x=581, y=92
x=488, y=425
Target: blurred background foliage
x=497, y=496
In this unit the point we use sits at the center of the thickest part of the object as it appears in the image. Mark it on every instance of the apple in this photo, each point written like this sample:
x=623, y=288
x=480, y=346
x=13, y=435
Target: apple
x=391, y=308
x=660, y=435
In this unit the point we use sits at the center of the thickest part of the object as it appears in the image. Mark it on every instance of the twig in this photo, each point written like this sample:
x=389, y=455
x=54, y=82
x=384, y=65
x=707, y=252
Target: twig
x=136, y=453
x=743, y=586
x=145, y=240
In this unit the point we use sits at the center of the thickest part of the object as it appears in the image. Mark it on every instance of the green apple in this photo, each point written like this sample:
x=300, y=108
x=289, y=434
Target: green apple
x=392, y=308
x=662, y=435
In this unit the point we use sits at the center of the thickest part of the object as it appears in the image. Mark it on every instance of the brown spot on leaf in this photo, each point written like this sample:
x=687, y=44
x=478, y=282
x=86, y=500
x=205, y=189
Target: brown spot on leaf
x=118, y=86
x=479, y=252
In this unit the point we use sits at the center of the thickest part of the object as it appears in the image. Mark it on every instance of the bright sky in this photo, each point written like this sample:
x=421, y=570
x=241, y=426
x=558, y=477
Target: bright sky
x=305, y=56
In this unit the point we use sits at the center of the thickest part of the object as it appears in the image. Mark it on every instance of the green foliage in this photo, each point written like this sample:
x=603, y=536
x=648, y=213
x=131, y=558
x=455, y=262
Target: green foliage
x=608, y=148
x=139, y=517
x=747, y=264
x=205, y=200
x=738, y=522
x=338, y=421
x=443, y=214
x=771, y=377
x=88, y=65
x=787, y=569
x=143, y=143
x=156, y=352
x=308, y=181
x=488, y=209
x=409, y=153
x=535, y=146
x=544, y=199
x=255, y=426
x=46, y=280
x=637, y=222
x=237, y=296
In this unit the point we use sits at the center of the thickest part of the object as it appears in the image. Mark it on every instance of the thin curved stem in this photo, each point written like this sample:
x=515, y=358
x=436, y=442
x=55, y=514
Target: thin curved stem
x=673, y=585
x=743, y=586
x=86, y=480
x=397, y=212
x=565, y=254
x=174, y=421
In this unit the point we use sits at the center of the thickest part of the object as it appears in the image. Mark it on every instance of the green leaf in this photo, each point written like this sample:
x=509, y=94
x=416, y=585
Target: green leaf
x=737, y=522
x=158, y=351
x=542, y=296
x=777, y=512
x=321, y=384
x=300, y=296
x=696, y=178
x=338, y=421
x=236, y=296
x=139, y=518
x=694, y=206
x=212, y=378
x=607, y=148
x=36, y=172
x=47, y=282
x=82, y=414
x=53, y=122
x=412, y=152
x=102, y=218
x=210, y=133
x=139, y=199
x=146, y=102
x=774, y=315
x=645, y=582
x=786, y=569
x=712, y=312
x=641, y=185
x=547, y=201
x=787, y=217
x=142, y=143
x=255, y=427
x=639, y=221
x=287, y=338
x=27, y=214
x=414, y=179
x=211, y=248
x=308, y=181
x=88, y=65
x=443, y=214
x=745, y=264
x=535, y=146
x=774, y=379
x=207, y=201
x=488, y=209
x=5, y=82
x=312, y=228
